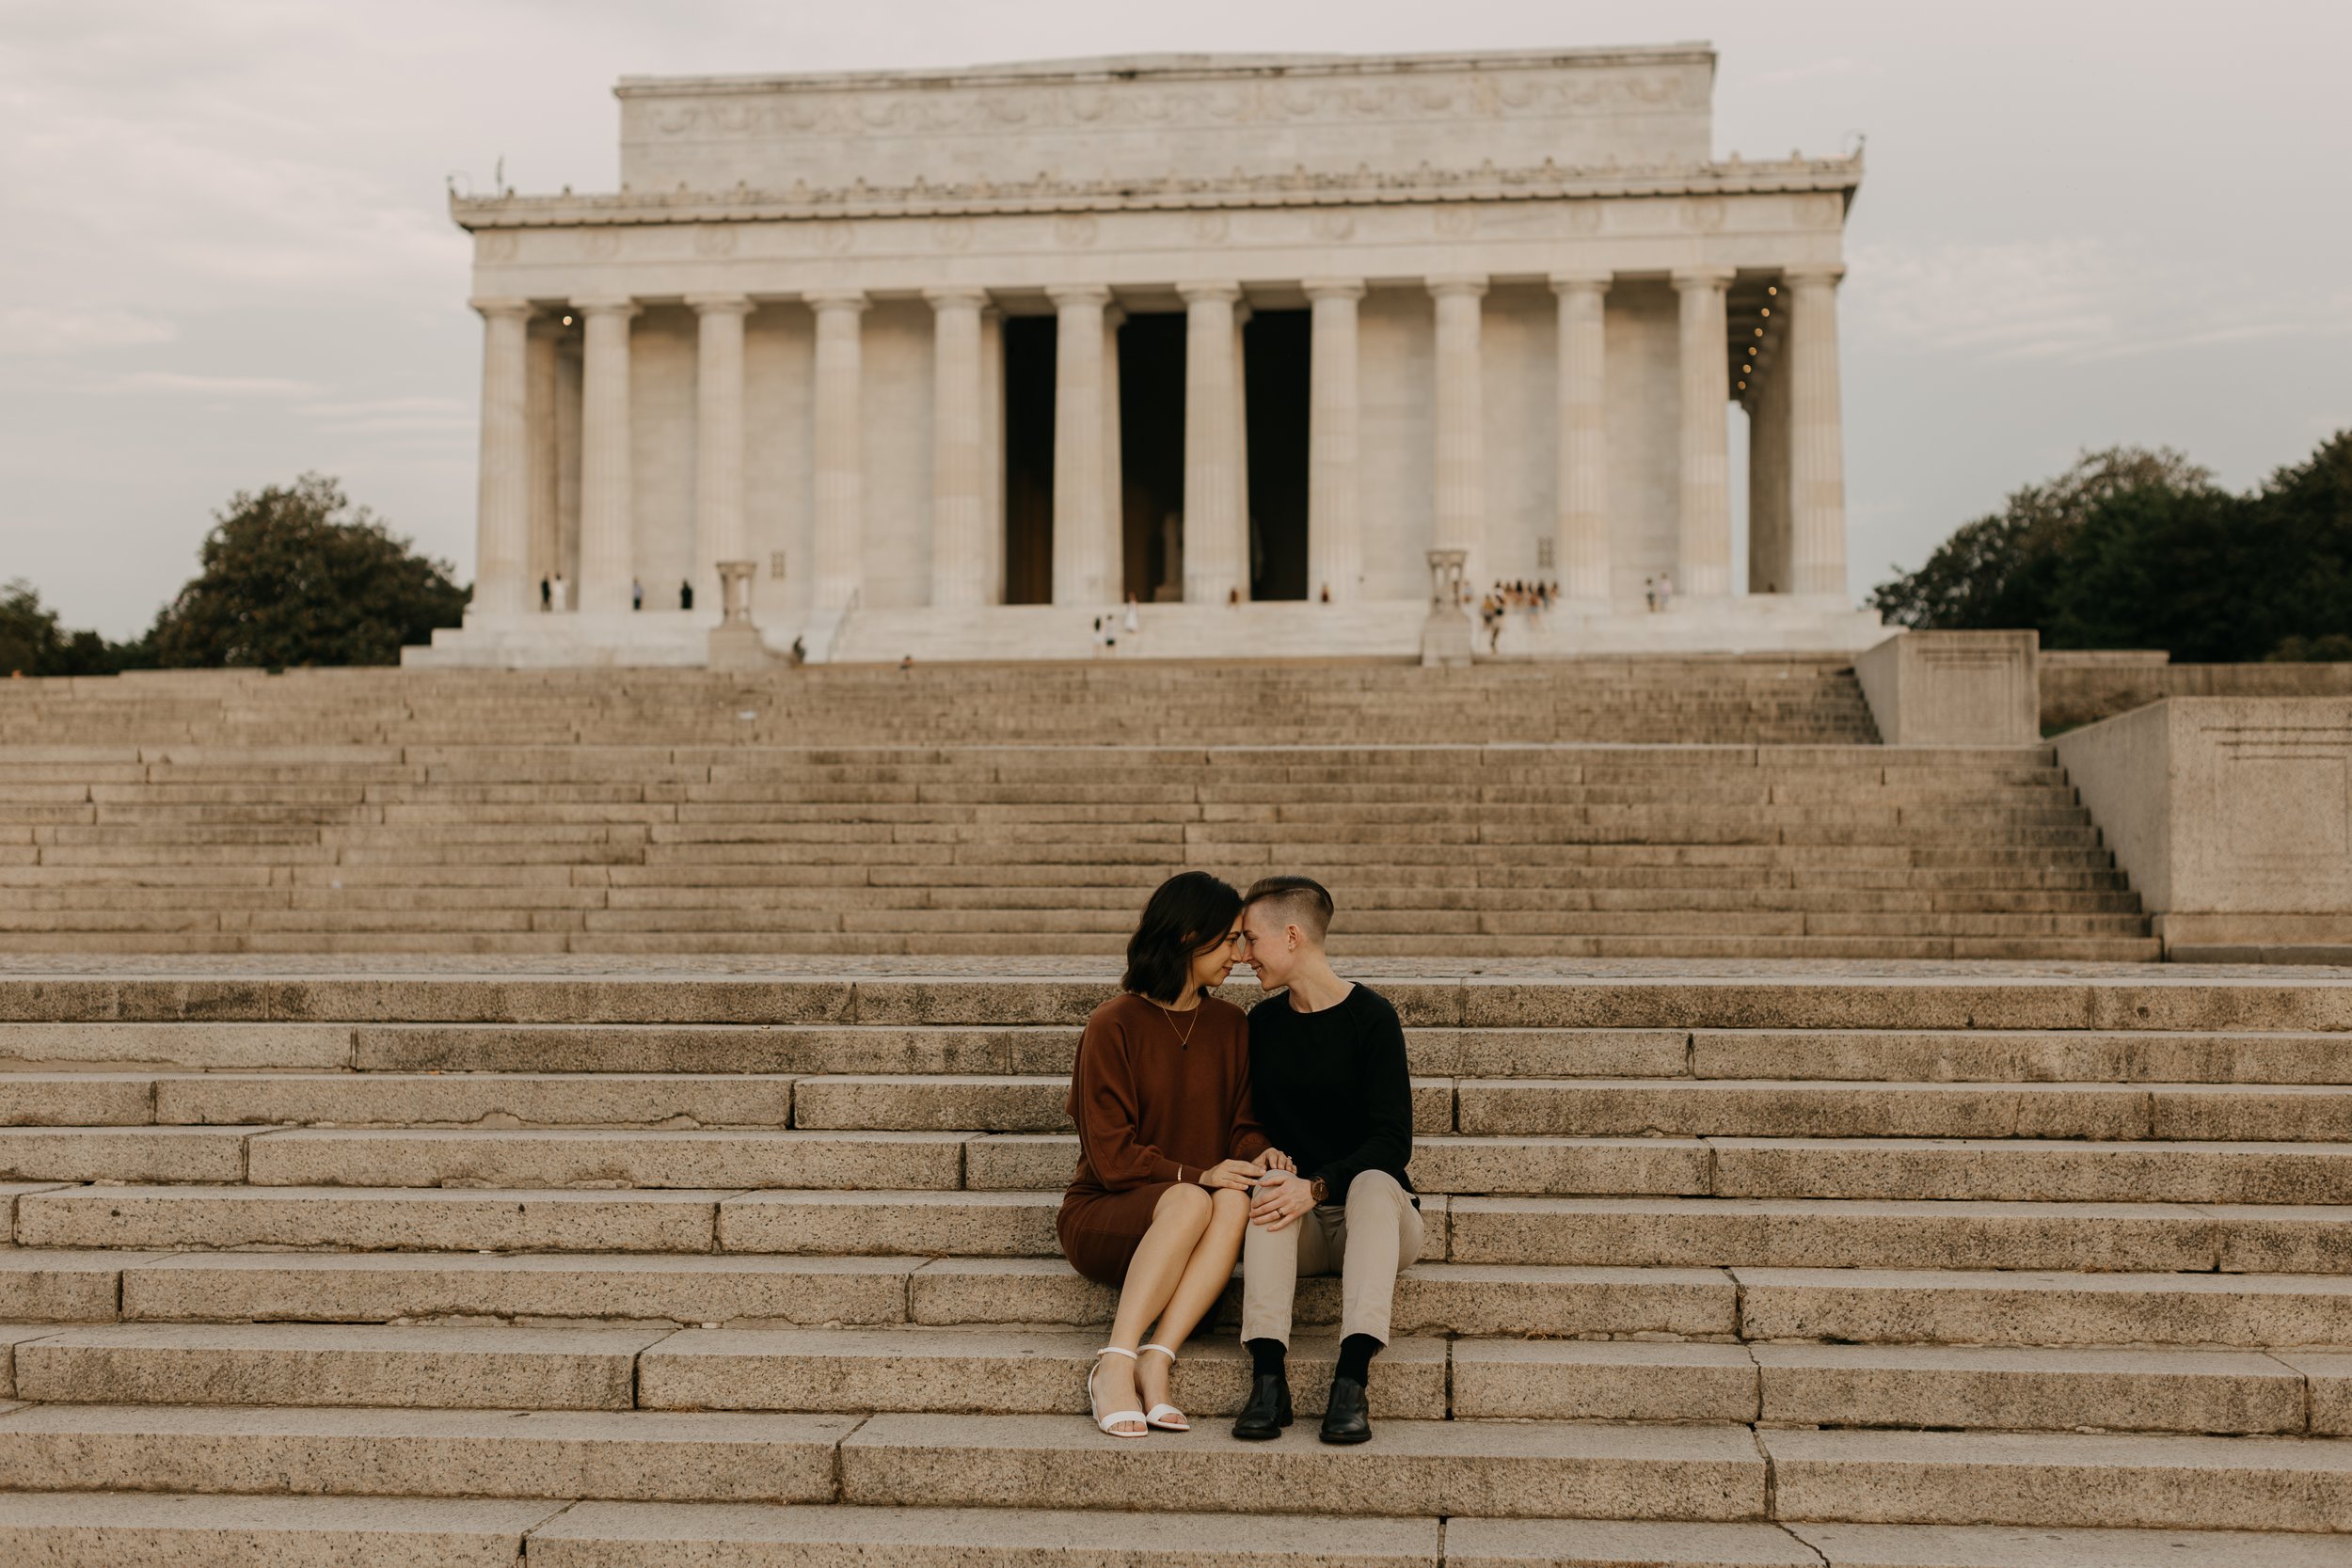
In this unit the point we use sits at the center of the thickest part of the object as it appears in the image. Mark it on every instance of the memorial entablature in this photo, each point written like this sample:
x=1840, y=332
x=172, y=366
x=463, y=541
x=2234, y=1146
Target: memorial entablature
x=960, y=361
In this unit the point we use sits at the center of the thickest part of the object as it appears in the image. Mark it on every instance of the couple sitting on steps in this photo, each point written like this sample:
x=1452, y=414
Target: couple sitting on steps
x=1279, y=1135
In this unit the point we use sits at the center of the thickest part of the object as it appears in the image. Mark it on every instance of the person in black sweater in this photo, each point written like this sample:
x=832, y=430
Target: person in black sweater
x=1328, y=1082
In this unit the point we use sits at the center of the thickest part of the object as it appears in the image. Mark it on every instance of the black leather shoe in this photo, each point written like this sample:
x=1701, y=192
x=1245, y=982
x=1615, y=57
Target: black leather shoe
x=1344, y=1418
x=1268, y=1410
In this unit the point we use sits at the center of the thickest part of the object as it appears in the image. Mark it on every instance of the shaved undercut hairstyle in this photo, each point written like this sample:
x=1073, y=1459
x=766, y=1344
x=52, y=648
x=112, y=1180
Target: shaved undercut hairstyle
x=1299, y=901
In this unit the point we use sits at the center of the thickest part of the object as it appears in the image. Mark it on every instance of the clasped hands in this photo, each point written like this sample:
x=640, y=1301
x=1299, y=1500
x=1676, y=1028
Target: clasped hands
x=1280, y=1197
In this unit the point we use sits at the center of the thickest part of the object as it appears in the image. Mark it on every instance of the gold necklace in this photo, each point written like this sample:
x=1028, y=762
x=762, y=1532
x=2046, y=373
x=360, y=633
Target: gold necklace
x=1184, y=1039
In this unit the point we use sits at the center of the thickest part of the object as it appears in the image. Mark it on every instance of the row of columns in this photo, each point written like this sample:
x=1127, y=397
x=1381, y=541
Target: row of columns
x=1087, y=526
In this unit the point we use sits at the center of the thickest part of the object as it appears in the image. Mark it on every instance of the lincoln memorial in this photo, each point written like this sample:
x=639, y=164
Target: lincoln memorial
x=958, y=361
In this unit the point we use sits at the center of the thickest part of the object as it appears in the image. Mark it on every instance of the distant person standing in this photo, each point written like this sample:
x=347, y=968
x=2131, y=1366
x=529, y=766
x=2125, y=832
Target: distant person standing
x=545, y=596
x=1666, y=591
x=636, y=595
x=686, y=594
x=559, y=593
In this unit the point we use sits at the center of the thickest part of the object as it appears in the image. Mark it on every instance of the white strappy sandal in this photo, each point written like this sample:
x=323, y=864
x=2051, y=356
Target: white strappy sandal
x=1167, y=1417
x=1110, y=1423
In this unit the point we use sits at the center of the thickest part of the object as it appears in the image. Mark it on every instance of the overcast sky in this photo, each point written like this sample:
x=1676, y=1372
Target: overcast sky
x=225, y=255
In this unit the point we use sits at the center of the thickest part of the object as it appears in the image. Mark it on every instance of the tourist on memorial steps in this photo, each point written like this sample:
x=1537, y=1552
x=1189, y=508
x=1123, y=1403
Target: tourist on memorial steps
x=1328, y=1075
x=1167, y=1149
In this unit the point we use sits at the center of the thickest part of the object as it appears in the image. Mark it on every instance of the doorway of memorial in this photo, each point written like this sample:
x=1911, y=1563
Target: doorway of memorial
x=1029, y=459
x=1276, y=352
x=1151, y=456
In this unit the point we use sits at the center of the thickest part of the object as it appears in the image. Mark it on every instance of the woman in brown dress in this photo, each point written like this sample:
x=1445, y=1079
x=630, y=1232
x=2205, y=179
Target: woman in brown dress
x=1168, y=1147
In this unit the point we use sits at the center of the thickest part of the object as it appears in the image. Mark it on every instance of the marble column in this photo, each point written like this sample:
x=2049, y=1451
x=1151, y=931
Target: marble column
x=608, y=536
x=1078, y=528
x=1703, y=540
x=1334, y=498
x=1216, y=551
x=1580, y=543
x=992, y=451
x=1114, y=466
x=545, y=556
x=1817, y=460
x=1460, y=511
x=838, y=541
x=502, y=516
x=718, y=441
x=959, y=513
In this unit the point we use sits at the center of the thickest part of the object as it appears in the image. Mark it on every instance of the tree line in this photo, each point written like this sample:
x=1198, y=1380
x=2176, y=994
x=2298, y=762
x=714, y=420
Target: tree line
x=2131, y=549
x=287, y=576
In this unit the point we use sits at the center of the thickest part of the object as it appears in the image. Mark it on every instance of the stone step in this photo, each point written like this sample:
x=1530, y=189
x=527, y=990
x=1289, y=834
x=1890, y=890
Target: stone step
x=301, y=1364
x=2237, y=1002
x=2062, y=1482
x=801, y=1290
x=676, y=1101
x=1712, y=1232
x=1833, y=1303
x=1511, y=1469
x=690, y=1536
x=2020, y=1169
x=94, y=1529
x=1414, y=1467
x=1760, y=1107
x=1000, y=1371
x=2013, y=1060
x=633, y=1454
x=579, y=1158
x=1673, y=1231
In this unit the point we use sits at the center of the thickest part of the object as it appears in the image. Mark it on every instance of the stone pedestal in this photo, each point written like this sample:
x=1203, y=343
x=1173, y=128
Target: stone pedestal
x=1445, y=636
x=735, y=642
x=1954, y=687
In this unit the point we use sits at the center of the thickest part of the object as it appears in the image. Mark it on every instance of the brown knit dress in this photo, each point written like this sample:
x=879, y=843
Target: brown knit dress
x=1151, y=1110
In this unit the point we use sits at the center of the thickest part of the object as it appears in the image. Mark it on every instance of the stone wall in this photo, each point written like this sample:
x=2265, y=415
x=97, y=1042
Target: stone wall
x=2081, y=687
x=2232, y=816
x=1112, y=121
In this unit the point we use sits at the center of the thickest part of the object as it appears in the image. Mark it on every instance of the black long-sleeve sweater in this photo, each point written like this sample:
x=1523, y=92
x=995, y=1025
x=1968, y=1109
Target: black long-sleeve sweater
x=1331, y=1088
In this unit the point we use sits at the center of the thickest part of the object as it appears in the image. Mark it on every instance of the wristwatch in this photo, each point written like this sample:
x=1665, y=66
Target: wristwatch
x=1321, y=1190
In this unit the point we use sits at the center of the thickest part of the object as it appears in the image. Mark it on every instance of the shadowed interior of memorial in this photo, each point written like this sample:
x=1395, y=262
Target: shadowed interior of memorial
x=1030, y=346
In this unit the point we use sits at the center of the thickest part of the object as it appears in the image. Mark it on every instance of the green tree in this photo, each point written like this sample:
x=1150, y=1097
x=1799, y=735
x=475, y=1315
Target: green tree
x=33, y=644
x=2164, y=566
x=296, y=574
x=28, y=629
x=2003, y=570
x=2306, y=539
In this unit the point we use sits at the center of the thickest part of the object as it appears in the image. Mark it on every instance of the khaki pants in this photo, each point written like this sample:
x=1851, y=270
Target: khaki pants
x=1377, y=1233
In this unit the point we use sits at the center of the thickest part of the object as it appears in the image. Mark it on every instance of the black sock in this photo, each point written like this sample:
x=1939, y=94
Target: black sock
x=1265, y=1357
x=1356, y=1354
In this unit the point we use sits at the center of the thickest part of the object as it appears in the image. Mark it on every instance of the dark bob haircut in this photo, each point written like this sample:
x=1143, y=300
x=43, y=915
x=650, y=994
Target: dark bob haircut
x=1188, y=914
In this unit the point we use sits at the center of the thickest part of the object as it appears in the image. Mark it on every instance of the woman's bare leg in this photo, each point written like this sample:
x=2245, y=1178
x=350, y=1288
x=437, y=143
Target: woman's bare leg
x=1206, y=1274
x=1178, y=1220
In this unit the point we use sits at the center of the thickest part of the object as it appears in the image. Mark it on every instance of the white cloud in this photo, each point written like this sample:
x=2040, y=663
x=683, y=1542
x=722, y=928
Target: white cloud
x=210, y=385
x=2072, y=300
x=31, y=330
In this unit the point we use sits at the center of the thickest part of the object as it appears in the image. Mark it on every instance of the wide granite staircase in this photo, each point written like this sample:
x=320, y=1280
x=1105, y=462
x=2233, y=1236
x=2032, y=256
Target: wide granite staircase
x=1706, y=808
x=715, y=1263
